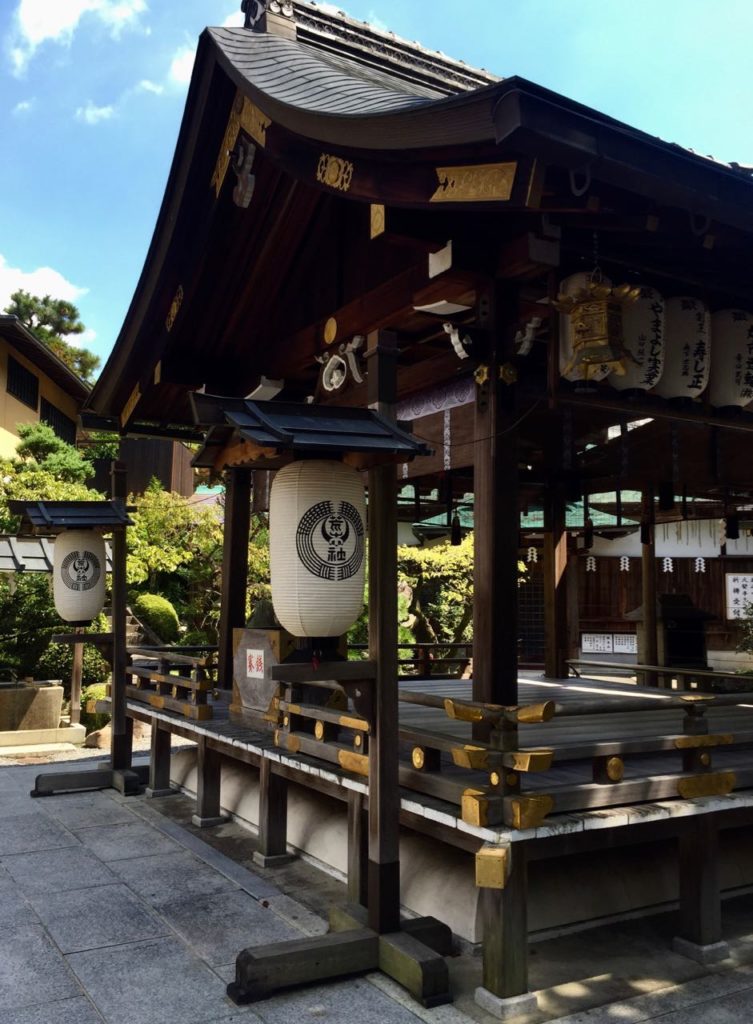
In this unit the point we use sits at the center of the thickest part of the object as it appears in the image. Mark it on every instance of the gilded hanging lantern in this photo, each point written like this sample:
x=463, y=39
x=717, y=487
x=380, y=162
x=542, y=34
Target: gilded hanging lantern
x=591, y=340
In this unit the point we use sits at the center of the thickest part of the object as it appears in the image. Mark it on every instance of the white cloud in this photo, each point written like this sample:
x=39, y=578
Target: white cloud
x=41, y=21
x=92, y=114
x=23, y=107
x=83, y=340
x=42, y=281
x=146, y=86
x=234, y=20
x=181, y=65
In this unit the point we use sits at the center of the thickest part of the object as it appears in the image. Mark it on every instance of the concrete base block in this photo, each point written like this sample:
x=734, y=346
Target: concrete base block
x=127, y=781
x=710, y=954
x=154, y=793
x=200, y=822
x=506, y=1009
x=275, y=860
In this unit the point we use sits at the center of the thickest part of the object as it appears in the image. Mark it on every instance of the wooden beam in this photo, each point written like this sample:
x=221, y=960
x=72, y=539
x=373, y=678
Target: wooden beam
x=648, y=589
x=555, y=579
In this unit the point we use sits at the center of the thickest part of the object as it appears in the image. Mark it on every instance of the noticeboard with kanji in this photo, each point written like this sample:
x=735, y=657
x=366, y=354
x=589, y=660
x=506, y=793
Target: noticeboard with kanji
x=739, y=594
x=596, y=643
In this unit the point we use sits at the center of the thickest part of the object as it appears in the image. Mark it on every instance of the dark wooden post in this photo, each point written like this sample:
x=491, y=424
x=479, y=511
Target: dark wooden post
x=358, y=851
x=234, y=567
x=555, y=580
x=648, y=587
x=208, y=776
x=273, y=818
x=496, y=529
x=77, y=671
x=384, y=793
x=573, y=607
x=504, y=916
x=700, y=919
x=122, y=735
x=159, y=764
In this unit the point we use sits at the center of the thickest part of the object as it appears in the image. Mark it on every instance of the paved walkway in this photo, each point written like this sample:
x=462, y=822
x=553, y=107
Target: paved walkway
x=110, y=912
x=113, y=911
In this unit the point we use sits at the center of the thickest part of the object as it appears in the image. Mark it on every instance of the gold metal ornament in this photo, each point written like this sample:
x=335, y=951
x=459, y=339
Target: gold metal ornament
x=595, y=312
x=330, y=331
x=319, y=730
x=378, y=220
x=481, y=376
x=478, y=183
x=334, y=172
x=615, y=769
x=174, y=308
x=418, y=758
x=243, y=115
x=493, y=867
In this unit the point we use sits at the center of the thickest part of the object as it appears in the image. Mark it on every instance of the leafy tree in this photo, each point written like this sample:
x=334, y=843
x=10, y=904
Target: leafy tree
x=52, y=320
x=41, y=447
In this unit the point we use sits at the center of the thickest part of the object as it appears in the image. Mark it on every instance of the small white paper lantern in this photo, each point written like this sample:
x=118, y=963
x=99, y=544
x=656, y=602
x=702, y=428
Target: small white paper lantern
x=316, y=547
x=731, y=380
x=687, y=336
x=643, y=335
x=79, y=570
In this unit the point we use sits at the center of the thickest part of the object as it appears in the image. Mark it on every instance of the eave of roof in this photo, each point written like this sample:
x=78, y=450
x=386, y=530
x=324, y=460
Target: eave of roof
x=21, y=338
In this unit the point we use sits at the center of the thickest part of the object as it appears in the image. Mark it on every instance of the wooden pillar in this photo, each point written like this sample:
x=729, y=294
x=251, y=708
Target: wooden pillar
x=700, y=919
x=77, y=671
x=648, y=588
x=159, y=764
x=384, y=793
x=504, y=913
x=358, y=851
x=273, y=818
x=555, y=581
x=122, y=736
x=573, y=606
x=234, y=567
x=496, y=529
x=208, y=774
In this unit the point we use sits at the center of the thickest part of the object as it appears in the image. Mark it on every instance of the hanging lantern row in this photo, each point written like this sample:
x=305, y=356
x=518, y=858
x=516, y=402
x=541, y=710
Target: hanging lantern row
x=640, y=341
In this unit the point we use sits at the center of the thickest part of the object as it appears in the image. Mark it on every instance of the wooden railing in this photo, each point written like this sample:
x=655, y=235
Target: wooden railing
x=173, y=679
x=428, y=660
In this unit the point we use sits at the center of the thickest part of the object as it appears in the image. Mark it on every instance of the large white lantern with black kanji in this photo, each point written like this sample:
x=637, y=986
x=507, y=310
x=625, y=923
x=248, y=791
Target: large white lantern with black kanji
x=731, y=382
x=643, y=335
x=79, y=570
x=317, y=514
x=687, y=342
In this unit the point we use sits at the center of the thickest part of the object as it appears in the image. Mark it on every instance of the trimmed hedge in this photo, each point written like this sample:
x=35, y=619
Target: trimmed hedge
x=159, y=615
x=93, y=722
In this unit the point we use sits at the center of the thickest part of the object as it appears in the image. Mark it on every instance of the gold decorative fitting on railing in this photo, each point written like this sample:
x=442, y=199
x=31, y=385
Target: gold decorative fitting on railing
x=527, y=811
x=479, y=183
x=377, y=220
x=352, y=762
x=493, y=867
x=710, y=740
x=334, y=172
x=716, y=784
x=529, y=760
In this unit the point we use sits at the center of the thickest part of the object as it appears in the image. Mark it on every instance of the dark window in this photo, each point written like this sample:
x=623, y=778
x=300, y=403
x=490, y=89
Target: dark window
x=63, y=426
x=22, y=384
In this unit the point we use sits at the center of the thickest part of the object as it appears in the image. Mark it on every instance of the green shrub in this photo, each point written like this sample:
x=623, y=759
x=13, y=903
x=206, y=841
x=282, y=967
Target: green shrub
x=92, y=722
x=158, y=614
x=56, y=662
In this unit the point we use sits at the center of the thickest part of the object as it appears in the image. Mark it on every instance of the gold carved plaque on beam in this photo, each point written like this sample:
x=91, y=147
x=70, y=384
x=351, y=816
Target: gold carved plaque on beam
x=334, y=172
x=479, y=183
x=130, y=405
x=174, y=308
x=243, y=115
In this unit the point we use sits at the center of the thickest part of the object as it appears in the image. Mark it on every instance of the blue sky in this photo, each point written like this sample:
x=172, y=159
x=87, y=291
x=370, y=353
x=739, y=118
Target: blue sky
x=92, y=92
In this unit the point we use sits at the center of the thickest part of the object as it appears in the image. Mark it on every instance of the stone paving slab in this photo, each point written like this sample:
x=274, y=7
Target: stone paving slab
x=341, y=1002
x=153, y=982
x=165, y=878
x=66, y=1011
x=80, y=920
x=121, y=842
x=80, y=811
x=55, y=870
x=32, y=972
x=30, y=832
x=218, y=927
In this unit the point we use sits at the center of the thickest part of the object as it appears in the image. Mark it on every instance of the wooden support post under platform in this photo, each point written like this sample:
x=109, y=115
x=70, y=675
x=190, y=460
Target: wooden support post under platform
x=122, y=728
x=504, y=910
x=234, y=567
x=648, y=589
x=273, y=818
x=159, y=763
x=77, y=671
x=496, y=530
x=358, y=850
x=208, y=776
x=700, y=921
x=555, y=582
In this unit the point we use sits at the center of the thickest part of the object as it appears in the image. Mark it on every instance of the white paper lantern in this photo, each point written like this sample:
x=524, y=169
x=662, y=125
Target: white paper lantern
x=79, y=570
x=687, y=336
x=731, y=381
x=569, y=368
x=643, y=335
x=316, y=547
